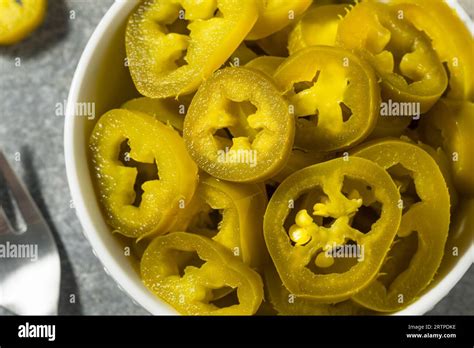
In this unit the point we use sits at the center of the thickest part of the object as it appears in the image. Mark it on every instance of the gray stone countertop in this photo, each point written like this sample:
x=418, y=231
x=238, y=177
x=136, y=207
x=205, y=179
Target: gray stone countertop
x=29, y=127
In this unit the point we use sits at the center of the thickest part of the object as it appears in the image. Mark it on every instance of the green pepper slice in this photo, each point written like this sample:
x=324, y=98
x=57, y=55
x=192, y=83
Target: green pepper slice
x=153, y=144
x=334, y=94
x=426, y=213
x=188, y=271
x=347, y=257
x=259, y=139
x=172, y=46
x=402, y=56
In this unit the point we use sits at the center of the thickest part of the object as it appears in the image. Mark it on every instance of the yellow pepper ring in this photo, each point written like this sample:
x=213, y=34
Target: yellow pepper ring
x=429, y=217
x=333, y=94
x=151, y=142
x=403, y=57
x=169, y=46
x=192, y=292
x=292, y=259
x=247, y=105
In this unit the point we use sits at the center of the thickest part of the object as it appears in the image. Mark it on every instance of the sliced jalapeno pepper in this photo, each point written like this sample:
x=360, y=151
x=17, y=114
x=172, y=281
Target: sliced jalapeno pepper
x=231, y=214
x=261, y=136
x=401, y=55
x=168, y=111
x=168, y=57
x=152, y=143
x=19, y=19
x=318, y=26
x=450, y=125
x=426, y=213
x=188, y=271
x=450, y=37
x=275, y=15
x=328, y=261
x=286, y=303
x=335, y=96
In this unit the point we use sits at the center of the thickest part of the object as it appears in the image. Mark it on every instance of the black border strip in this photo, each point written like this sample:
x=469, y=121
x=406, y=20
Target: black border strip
x=141, y=330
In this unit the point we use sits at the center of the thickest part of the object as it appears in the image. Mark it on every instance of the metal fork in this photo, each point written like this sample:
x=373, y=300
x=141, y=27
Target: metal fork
x=30, y=268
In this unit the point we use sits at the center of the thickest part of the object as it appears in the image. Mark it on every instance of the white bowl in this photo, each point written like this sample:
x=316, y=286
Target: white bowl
x=102, y=78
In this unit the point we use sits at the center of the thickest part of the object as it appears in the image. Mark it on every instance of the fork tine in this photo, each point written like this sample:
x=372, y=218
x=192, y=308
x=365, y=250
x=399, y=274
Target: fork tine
x=5, y=225
x=26, y=205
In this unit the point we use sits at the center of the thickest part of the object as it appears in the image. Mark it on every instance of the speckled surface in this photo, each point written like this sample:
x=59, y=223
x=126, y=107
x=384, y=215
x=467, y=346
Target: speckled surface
x=29, y=94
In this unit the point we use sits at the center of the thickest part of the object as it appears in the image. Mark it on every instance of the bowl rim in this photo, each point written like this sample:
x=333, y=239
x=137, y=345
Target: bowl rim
x=134, y=290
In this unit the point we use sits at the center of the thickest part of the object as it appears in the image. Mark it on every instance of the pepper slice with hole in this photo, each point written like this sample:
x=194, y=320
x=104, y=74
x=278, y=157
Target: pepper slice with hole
x=450, y=37
x=309, y=252
x=230, y=214
x=402, y=56
x=152, y=144
x=427, y=214
x=275, y=15
x=169, y=57
x=318, y=26
x=168, y=111
x=19, y=19
x=260, y=130
x=450, y=125
x=188, y=271
x=334, y=94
